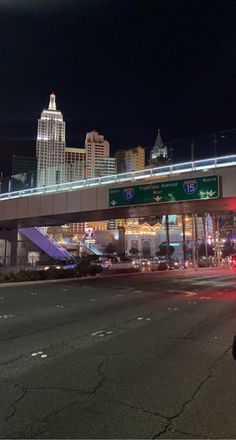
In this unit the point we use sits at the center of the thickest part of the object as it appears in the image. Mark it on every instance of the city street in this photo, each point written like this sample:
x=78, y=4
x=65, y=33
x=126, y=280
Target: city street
x=129, y=356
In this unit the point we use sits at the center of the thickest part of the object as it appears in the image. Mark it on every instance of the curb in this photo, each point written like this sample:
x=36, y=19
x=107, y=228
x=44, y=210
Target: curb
x=160, y=273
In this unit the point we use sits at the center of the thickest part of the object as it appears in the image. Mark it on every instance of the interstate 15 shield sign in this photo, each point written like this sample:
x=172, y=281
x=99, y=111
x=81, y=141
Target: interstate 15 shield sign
x=200, y=188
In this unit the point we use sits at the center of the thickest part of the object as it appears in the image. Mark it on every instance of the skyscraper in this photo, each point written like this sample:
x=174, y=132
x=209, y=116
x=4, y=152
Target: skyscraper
x=50, y=146
x=132, y=159
x=74, y=164
x=159, y=153
x=98, y=160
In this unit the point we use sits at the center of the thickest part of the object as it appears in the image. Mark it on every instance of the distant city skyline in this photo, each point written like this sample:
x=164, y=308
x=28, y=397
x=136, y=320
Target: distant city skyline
x=122, y=68
x=214, y=140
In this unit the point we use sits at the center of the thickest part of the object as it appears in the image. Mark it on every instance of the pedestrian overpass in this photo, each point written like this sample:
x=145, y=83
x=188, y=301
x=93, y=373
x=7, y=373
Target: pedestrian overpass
x=92, y=199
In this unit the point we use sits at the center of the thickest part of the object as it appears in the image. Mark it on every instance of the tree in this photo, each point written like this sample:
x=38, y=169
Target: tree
x=134, y=251
x=202, y=250
x=163, y=248
x=110, y=248
x=228, y=249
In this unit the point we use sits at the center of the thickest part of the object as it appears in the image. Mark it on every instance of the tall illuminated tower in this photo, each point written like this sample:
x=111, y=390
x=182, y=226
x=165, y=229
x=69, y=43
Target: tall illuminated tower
x=50, y=146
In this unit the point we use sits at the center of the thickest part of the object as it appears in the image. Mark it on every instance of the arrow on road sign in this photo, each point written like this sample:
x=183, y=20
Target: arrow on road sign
x=211, y=193
x=113, y=203
x=157, y=198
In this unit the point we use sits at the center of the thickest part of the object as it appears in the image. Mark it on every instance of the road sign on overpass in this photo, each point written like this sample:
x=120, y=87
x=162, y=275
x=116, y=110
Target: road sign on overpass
x=199, y=188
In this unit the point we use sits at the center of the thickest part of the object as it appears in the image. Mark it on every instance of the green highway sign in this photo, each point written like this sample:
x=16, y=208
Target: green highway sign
x=170, y=191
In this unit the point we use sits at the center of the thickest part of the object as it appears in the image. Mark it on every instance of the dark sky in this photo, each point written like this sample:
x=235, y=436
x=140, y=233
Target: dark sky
x=123, y=67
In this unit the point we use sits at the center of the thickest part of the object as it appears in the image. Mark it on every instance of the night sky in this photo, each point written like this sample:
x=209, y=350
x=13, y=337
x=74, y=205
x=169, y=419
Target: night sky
x=122, y=67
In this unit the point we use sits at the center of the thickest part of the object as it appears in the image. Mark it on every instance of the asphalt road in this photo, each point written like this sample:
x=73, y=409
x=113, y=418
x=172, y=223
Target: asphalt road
x=138, y=356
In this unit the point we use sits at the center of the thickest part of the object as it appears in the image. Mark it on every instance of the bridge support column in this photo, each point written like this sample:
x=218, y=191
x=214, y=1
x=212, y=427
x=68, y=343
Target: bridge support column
x=11, y=236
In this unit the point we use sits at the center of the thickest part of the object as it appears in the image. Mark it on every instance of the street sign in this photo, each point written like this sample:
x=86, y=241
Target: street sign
x=170, y=191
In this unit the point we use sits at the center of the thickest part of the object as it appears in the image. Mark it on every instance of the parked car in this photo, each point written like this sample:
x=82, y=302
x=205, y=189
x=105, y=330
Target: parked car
x=57, y=264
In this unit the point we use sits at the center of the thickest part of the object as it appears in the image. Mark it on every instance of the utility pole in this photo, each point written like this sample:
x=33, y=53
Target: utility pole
x=218, y=240
x=204, y=221
x=167, y=239
x=193, y=243
x=184, y=237
x=192, y=151
x=196, y=238
x=215, y=145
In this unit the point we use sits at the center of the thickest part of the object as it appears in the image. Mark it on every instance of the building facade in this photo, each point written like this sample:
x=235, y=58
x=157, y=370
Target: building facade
x=50, y=146
x=132, y=159
x=105, y=166
x=75, y=161
x=97, y=155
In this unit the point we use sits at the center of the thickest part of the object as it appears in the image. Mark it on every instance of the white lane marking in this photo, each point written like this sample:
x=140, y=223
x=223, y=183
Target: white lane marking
x=97, y=332
x=1, y=297
x=109, y=332
x=43, y=356
x=33, y=293
x=34, y=354
x=140, y=318
x=93, y=300
x=138, y=291
x=60, y=307
x=148, y=319
x=40, y=352
x=7, y=316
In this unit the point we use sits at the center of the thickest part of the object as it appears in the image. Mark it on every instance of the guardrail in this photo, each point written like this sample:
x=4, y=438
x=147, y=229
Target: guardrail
x=185, y=167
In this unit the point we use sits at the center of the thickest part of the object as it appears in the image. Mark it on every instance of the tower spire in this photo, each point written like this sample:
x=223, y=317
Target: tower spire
x=159, y=142
x=52, y=102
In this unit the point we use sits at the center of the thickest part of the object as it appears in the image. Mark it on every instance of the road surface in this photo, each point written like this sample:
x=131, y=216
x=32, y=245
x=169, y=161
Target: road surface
x=131, y=356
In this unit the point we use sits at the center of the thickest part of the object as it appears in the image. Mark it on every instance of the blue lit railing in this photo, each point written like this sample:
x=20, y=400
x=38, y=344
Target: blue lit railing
x=204, y=165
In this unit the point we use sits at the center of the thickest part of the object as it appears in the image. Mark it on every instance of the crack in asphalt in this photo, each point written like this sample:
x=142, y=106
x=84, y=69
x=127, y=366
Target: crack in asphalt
x=137, y=408
x=209, y=376
x=15, y=403
x=25, y=390
x=188, y=433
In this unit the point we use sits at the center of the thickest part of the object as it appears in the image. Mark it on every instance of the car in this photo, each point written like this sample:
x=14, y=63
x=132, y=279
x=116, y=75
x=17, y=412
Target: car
x=135, y=263
x=145, y=262
x=105, y=263
x=57, y=264
x=173, y=265
x=233, y=260
x=162, y=265
x=234, y=347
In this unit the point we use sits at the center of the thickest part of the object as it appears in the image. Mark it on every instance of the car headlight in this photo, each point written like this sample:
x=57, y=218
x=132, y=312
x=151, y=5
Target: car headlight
x=58, y=267
x=46, y=268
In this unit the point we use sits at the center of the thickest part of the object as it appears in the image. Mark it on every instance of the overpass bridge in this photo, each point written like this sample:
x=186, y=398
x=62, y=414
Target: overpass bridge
x=92, y=199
